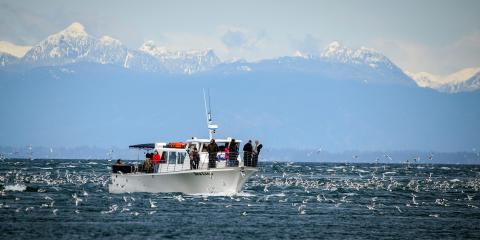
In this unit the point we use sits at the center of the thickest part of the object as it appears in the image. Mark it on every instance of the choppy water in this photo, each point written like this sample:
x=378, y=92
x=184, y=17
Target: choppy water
x=69, y=199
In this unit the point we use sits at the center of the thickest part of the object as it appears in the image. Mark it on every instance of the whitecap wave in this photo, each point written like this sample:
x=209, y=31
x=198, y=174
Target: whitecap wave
x=224, y=194
x=16, y=187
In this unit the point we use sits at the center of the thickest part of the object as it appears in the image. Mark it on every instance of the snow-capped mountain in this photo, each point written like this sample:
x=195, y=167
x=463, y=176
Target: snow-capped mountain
x=108, y=50
x=336, y=52
x=187, y=62
x=74, y=44
x=472, y=84
x=464, y=80
x=335, y=62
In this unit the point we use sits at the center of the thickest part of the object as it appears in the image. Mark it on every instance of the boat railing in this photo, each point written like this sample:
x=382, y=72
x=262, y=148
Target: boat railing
x=241, y=159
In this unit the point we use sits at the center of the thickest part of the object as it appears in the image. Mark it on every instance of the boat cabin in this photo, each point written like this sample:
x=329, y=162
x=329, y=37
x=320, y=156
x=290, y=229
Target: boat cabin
x=175, y=155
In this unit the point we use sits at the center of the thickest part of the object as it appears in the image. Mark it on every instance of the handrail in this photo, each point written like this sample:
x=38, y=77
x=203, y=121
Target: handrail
x=245, y=159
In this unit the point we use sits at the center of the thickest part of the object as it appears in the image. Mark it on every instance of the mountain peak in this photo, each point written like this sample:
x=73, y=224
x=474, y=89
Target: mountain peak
x=74, y=31
x=301, y=54
x=75, y=27
x=66, y=46
x=107, y=40
x=447, y=83
x=151, y=48
x=333, y=48
x=334, y=45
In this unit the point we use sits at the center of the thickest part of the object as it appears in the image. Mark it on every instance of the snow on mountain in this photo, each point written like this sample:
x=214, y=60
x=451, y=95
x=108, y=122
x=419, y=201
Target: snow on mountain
x=108, y=50
x=472, y=84
x=464, y=80
x=187, y=62
x=68, y=46
x=138, y=60
x=12, y=49
x=339, y=53
x=74, y=44
x=424, y=79
x=300, y=54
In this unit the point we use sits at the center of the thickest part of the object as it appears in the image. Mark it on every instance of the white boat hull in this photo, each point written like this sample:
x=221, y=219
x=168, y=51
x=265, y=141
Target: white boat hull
x=228, y=180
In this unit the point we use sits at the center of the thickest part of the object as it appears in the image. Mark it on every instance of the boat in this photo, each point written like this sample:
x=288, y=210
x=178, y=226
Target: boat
x=175, y=173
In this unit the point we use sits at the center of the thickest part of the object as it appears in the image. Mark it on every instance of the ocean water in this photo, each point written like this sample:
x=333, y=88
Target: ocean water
x=69, y=199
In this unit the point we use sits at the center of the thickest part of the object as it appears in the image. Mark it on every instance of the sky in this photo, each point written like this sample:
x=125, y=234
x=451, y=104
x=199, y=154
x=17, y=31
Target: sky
x=435, y=36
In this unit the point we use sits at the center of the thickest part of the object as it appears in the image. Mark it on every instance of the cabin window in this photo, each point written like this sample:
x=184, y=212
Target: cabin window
x=172, y=157
x=162, y=159
x=181, y=157
x=191, y=145
x=221, y=148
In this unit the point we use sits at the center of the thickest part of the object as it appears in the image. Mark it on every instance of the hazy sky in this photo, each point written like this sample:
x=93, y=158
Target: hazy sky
x=434, y=36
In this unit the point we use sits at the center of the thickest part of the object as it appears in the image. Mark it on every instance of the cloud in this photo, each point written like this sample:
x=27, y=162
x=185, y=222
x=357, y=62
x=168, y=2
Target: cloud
x=188, y=41
x=234, y=39
x=437, y=59
x=27, y=25
x=229, y=43
x=309, y=44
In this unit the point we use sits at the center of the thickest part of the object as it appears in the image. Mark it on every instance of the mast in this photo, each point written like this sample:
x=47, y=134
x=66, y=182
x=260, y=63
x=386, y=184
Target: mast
x=208, y=112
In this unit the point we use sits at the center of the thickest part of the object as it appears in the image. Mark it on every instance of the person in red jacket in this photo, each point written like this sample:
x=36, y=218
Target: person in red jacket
x=156, y=160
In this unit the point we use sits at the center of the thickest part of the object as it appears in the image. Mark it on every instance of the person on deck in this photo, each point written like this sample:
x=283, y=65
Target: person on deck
x=256, y=151
x=212, y=150
x=247, y=154
x=195, y=158
x=147, y=165
x=227, y=152
x=155, y=161
x=190, y=154
x=233, y=153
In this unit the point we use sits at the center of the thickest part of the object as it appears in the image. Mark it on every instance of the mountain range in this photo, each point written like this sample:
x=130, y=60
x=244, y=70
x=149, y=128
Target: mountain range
x=74, y=45
x=73, y=89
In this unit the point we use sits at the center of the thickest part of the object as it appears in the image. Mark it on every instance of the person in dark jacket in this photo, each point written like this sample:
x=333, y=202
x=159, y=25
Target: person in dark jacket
x=232, y=153
x=147, y=165
x=212, y=150
x=195, y=158
x=256, y=151
x=247, y=154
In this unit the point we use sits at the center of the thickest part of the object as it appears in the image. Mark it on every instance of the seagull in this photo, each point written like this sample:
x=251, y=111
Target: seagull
x=371, y=207
x=469, y=197
x=152, y=203
x=77, y=199
x=413, y=199
x=398, y=208
x=301, y=209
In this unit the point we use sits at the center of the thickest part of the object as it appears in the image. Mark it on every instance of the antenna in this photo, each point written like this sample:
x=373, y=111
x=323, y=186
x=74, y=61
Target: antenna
x=209, y=103
x=208, y=112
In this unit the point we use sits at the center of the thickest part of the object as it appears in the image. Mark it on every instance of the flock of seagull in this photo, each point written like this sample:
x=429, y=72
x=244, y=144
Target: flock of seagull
x=302, y=187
